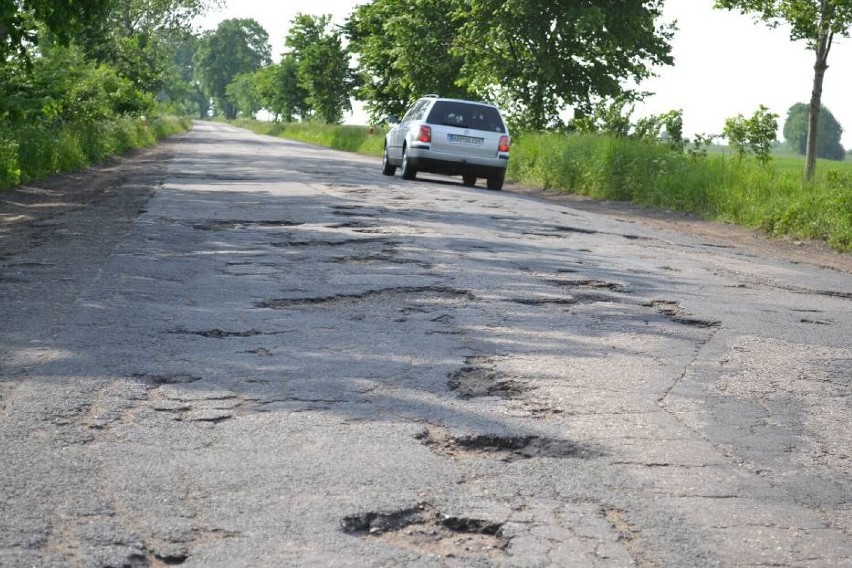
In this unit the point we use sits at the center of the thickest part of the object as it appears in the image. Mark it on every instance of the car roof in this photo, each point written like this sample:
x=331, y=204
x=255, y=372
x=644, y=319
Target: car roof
x=468, y=101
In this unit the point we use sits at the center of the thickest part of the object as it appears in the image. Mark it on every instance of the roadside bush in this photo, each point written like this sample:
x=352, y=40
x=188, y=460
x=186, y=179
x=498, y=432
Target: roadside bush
x=29, y=153
x=10, y=166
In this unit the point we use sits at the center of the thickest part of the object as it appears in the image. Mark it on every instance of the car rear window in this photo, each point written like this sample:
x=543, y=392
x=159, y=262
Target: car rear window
x=466, y=115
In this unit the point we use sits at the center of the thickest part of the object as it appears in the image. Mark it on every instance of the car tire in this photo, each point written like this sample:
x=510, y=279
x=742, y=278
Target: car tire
x=387, y=168
x=406, y=170
x=495, y=182
x=469, y=181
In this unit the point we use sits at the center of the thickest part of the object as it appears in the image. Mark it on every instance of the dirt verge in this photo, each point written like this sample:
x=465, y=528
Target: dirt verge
x=816, y=253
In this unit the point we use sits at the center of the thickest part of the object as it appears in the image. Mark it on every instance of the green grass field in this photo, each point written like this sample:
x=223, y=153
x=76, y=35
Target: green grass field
x=719, y=186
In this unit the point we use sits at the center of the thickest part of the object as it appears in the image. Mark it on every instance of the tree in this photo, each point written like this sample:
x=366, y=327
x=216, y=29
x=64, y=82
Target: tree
x=322, y=65
x=181, y=90
x=755, y=134
x=140, y=38
x=279, y=90
x=829, y=132
x=236, y=46
x=537, y=57
x=817, y=22
x=404, y=51
x=19, y=21
x=242, y=93
x=61, y=85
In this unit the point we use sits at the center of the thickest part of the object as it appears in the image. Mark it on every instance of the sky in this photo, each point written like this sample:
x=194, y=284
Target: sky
x=726, y=64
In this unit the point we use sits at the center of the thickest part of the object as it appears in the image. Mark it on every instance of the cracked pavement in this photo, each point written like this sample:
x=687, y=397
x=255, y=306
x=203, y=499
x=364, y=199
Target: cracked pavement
x=253, y=352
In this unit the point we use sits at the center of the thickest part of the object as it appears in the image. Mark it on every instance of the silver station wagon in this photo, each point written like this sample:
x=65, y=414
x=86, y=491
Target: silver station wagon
x=451, y=137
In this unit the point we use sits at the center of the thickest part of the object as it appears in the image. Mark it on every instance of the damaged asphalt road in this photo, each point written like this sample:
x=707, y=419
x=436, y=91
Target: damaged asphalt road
x=253, y=352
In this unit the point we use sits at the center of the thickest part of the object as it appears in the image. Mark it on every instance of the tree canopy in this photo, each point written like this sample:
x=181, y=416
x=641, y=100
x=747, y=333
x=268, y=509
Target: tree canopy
x=538, y=57
x=532, y=57
x=322, y=65
x=404, y=51
x=829, y=132
x=20, y=21
x=817, y=23
x=235, y=47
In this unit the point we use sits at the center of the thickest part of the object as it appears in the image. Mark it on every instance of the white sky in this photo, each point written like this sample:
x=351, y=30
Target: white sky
x=725, y=63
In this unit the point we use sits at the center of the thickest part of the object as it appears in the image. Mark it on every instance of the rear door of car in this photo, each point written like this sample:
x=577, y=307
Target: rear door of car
x=398, y=134
x=465, y=129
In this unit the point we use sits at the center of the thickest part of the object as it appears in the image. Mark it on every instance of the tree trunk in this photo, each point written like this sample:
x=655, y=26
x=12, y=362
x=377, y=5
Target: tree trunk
x=823, y=46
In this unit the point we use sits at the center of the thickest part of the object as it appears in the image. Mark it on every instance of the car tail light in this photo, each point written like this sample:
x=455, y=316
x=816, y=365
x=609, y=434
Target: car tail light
x=425, y=134
x=503, y=146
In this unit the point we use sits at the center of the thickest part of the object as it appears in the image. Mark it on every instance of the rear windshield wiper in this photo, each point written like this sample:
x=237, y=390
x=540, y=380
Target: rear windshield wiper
x=457, y=125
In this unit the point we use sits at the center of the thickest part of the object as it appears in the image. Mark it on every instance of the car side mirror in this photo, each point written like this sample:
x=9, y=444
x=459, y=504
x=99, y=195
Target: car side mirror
x=393, y=119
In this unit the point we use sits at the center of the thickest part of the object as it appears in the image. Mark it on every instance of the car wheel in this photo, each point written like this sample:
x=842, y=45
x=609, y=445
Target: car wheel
x=387, y=168
x=406, y=171
x=495, y=182
x=469, y=181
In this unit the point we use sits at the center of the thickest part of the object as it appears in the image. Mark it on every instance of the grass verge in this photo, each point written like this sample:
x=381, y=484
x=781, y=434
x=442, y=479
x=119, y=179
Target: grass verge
x=772, y=198
x=338, y=136
x=29, y=153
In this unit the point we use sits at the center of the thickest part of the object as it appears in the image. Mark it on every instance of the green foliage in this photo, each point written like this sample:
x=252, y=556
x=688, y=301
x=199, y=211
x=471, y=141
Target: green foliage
x=242, y=93
x=755, y=134
x=614, y=118
x=236, y=46
x=808, y=20
x=828, y=136
x=10, y=164
x=537, y=58
x=403, y=52
x=322, y=66
x=63, y=86
x=611, y=117
x=716, y=187
x=350, y=138
x=83, y=92
x=279, y=90
x=23, y=22
x=32, y=152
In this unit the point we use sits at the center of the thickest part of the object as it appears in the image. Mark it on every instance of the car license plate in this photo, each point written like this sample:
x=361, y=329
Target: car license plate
x=469, y=140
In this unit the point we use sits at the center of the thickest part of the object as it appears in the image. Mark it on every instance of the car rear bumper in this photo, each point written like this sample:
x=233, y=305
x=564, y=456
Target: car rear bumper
x=429, y=161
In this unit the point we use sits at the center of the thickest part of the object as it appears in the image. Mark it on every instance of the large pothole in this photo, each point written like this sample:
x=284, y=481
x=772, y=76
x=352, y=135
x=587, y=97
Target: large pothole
x=505, y=447
x=480, y=377
x=425, y=529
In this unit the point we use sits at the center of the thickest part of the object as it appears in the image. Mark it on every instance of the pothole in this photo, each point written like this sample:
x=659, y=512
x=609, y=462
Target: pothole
x=505, y=447
x=567, y=229
x=381, y=258
x=675, y=312
x=157, y=380
x=589, y=283
x=219, y=333
x=480, y=377
x=333, y=243
x=230, y=225
x=543, y=301
x=425, y=529
x=434, y=291
x=349, y=225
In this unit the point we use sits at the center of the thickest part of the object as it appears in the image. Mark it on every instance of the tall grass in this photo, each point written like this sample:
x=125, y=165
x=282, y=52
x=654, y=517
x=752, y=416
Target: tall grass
x=719, y=186
x=29, y=153
x=339, y=136
x=773, y=198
